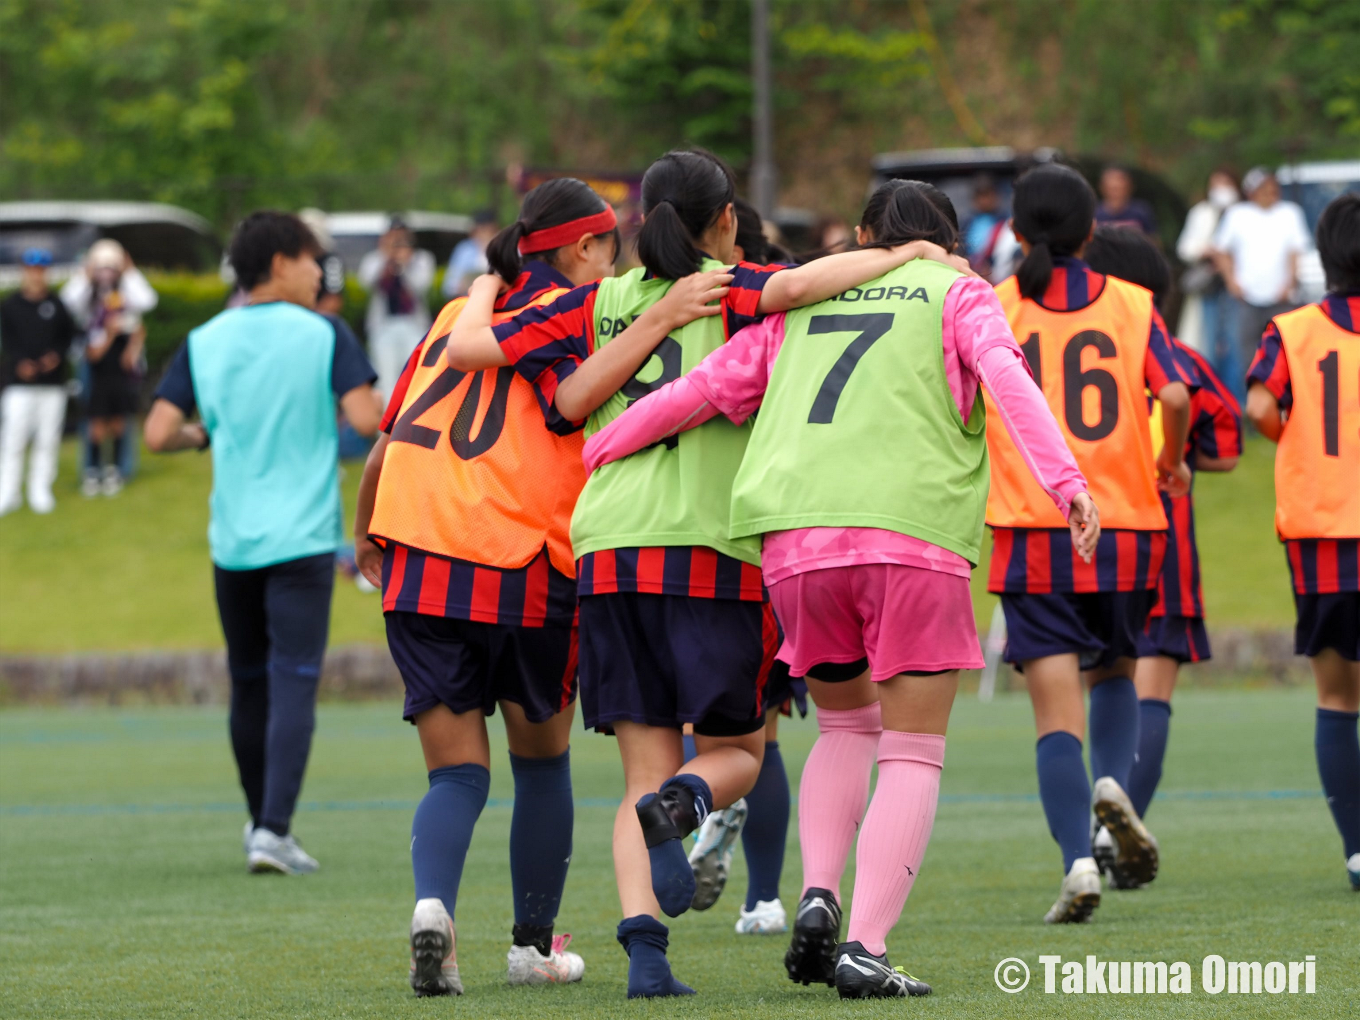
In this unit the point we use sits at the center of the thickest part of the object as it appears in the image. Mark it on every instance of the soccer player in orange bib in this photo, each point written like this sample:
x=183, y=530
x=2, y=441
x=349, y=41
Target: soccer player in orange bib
x=1096, y=346
x=463, y=520
x=1175, y=632
x=1304, y=393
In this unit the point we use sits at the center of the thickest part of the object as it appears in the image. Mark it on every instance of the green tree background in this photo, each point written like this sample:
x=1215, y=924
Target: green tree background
x=225, y=105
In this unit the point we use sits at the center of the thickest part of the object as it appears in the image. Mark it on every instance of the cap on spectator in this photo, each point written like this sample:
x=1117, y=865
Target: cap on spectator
x=106, y=253
x=484, y=218
x=397, y=222
x=1254, y=178
x=37, y=257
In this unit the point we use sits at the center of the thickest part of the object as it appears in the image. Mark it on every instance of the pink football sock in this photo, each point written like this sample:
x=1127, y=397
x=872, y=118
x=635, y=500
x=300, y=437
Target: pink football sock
x=835, y=790
x=896, y=832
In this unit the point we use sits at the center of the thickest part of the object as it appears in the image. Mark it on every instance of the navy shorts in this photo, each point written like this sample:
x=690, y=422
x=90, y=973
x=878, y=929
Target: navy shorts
x=1099, y=626
x=1328, y=621
x=466, y=665
x=1182, y=638
x=667, y=660
x=784, y=692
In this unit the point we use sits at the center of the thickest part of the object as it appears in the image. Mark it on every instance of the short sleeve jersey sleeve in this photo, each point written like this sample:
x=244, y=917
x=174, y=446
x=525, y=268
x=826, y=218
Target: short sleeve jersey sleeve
x=350, y=366
x=177, y=385
x=1270, y=368
x=1160, y=367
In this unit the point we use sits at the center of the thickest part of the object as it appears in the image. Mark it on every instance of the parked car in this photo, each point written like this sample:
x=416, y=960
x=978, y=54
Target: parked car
x=156, y=236
x=1312, y=186
x=953, y=171
x=356, y=233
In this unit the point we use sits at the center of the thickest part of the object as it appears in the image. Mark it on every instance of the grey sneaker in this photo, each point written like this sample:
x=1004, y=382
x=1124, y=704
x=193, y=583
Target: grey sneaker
x=711, y=857
x=434, y=958
x=1079, y=896
x=89, y=485
x=268, y=852
x=525, y=965
x=112, y=482
x=1136, y=851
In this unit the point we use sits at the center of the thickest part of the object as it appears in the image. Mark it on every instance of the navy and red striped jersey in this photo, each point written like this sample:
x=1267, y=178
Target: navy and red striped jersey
x=1323, y=566
x=1215, y=431
x=693, y=571
x=546, y=344
x=1317, y=566
x=1039, y=560
x=538, y=595
x=1270, y=368
x=414, y=581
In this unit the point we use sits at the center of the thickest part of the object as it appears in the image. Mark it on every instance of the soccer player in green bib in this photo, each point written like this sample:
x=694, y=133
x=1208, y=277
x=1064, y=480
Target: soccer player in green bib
x=867, y=477
x=675, y=623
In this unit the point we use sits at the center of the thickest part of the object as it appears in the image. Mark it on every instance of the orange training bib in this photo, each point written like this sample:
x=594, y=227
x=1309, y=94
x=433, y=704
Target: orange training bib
x=471, y=471
x=1090, y=365
x=1317, y=465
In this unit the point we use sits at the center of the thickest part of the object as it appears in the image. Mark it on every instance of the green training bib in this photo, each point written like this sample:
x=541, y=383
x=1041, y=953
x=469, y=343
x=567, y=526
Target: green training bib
x=858, y=427
x=678, y=492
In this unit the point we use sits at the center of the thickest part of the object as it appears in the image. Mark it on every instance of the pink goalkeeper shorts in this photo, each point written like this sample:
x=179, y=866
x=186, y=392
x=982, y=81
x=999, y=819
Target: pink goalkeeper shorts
x=901, y=619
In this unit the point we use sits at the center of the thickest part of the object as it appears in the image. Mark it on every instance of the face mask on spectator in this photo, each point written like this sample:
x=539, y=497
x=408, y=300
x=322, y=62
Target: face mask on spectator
x=1222, y=195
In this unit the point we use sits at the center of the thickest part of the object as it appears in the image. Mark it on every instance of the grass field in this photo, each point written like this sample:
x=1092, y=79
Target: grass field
x=123, y=891
x=134, y=573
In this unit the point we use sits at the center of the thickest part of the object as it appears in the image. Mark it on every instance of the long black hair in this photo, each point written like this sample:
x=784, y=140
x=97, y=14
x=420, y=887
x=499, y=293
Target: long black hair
x=900, y=211
x=551, y=204
x=755, y=247
x=1054, y=208
x=1338, y=241
x=683, y=192
x=1129, y=255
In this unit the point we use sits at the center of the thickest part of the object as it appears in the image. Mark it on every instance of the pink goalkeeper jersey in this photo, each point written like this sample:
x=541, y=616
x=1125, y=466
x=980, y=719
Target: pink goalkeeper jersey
x=978, y=347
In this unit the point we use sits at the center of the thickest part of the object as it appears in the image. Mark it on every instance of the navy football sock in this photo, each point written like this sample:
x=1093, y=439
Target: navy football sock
x=442, y=830
x=540, y=836
x=691, y=749
x=767, y=828
x=1066, y=794
x=644, y=939
x=666, y=818
x=1338, y=756
x=1154, y=721
x=1114, y=729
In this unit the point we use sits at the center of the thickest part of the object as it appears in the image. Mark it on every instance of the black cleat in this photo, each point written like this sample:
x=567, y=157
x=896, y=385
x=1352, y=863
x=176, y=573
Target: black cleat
x=861, y=975
x=816, y=932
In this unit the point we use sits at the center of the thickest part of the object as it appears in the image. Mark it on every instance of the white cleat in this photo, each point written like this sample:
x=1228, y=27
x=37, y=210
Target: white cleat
x=711, y=857
x=1136, y=852
x=434, y=958
x=268, y=852
x=768, y=918
x=1353, y=870
x=525, y=965
x=1079, y=896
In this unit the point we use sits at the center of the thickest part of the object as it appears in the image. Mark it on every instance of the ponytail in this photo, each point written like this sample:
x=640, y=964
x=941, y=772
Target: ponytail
x=683, y=193
x=502, y=252
x=1054, y=208
x=559, y=202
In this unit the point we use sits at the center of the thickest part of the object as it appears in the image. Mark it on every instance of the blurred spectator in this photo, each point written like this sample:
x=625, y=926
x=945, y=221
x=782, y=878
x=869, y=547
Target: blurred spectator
x=831, y=234
x=398, y=277
x=36, y=332
x=1118, y=207
x=468, y=259
x=1203, y=315
x=108, y=297
x=986, y=226
x=1256, y=248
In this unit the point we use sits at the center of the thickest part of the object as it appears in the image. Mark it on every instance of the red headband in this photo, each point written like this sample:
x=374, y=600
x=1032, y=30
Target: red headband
x=569, y=232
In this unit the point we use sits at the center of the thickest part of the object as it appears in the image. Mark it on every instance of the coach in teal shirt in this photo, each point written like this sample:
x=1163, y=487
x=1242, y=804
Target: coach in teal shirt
x=264, y=379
